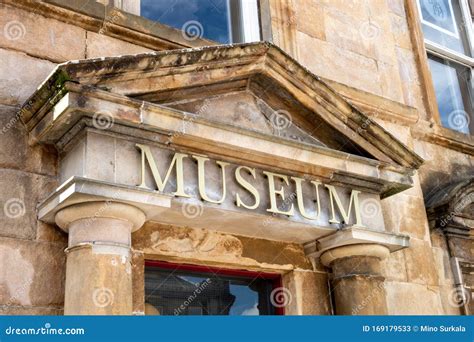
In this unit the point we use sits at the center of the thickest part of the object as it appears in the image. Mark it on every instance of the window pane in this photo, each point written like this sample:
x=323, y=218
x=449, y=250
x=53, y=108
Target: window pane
x=173, y=292
x=442, y=23
x=219, y=20
x=453, y=86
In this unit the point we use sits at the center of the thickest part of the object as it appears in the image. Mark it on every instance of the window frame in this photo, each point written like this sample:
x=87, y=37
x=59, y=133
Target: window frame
x=276, y=278
x=449, y=54
x=238, y=12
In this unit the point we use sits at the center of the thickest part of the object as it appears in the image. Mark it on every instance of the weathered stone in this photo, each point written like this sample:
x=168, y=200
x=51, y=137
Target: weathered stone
x=205, y=246
x=306, y=293
x=39, y=36
x=30, y=310
x=359, y=295
x=18, y=217
x=362, y=75
x=405, y=214
x=41, y=280
x=310, y=19
x=400, y=31
x=20, y=75
x=390, y=81
x=348, y=32
x=50, y=233
x=393, y=267
x=441, y=258
x=138, y=283
x=449, y=296
x=420, y=263
x=397, y=7
x=100, y=45
x=369, y=47
x=412, y=299
x=16, y=153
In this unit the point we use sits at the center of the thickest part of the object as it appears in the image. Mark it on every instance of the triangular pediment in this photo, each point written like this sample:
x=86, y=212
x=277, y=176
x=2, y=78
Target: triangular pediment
x=255, y=87
x=245, y=110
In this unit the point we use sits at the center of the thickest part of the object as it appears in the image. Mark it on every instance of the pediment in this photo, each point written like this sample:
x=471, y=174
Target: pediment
x=255, y=87
x=245, y=110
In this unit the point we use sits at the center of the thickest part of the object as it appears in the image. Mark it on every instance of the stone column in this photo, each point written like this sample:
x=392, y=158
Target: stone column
x=357, y=283
x=98, y=269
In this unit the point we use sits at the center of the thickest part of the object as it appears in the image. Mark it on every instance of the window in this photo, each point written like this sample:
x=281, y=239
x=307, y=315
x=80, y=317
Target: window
x=224, y=21
x=447, y=28
x=172, y=289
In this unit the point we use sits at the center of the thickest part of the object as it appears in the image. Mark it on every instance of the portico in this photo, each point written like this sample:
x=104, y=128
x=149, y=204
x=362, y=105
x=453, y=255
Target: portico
x=239, y=140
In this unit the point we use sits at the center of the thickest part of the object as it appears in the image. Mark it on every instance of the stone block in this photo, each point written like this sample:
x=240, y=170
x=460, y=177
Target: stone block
x=138, y=283
x=406, y=215
x=16, y=153
x=351, y=33
x=274, y=252
x=442, y=265
x=412, y=299
x=449, y=297
x=420, y=263
x=397, y=7
x=39, y=36
x=20, y=75
x=50, y=233
x=305, y=293
x=32, y=273
x=390, y=82
x=100, y=45
x=358, y=8
x=393, y=267
x=310, y=19
x=330, y=61
x=400, y=31
x=21, y=193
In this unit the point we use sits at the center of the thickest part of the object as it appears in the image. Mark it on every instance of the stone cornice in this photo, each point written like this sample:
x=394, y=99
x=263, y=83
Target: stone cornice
x=442, y=136
x=157, y=123
x=143, y=74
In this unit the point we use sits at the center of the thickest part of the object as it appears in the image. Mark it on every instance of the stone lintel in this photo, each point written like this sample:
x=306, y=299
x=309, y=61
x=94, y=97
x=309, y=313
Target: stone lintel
x=168, y=210
x=356, y=236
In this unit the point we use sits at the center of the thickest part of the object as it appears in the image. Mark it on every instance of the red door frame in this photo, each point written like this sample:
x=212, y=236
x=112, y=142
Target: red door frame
x=275, y=277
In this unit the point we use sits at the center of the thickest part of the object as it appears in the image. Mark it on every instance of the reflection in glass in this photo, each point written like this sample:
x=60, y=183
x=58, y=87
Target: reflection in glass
x=443, y=24
x=224, y=21
x=175, y=292
x=453, y=87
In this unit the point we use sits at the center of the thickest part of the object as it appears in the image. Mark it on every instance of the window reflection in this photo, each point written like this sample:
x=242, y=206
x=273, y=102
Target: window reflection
x=453, y=87
x=224, y=21
x=176, y=292
x=443, y=23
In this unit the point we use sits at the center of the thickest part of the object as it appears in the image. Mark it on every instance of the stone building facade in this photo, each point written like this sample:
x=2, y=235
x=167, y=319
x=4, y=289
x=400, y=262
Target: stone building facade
x=316, y=157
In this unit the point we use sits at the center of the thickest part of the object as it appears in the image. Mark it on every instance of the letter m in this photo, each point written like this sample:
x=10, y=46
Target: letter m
x=177, y=161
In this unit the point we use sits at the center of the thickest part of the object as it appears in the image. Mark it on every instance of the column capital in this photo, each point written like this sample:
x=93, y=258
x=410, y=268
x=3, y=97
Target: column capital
x=364, y=250
x=380, y=242
x=91, y=211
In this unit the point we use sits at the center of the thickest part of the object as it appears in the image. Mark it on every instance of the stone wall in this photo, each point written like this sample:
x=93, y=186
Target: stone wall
x=365, y=45
x=32, y=253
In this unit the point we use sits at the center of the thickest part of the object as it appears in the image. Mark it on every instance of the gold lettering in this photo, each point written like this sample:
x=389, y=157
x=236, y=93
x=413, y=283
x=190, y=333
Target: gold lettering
x=246, y=185
x=273, y=193
x=345, y=215
x=161, y=183
x=202, y=179
x=300, y=201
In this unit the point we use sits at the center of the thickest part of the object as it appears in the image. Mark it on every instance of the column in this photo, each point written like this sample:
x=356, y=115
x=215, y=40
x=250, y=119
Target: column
x=357, y=282
x=98, y=268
